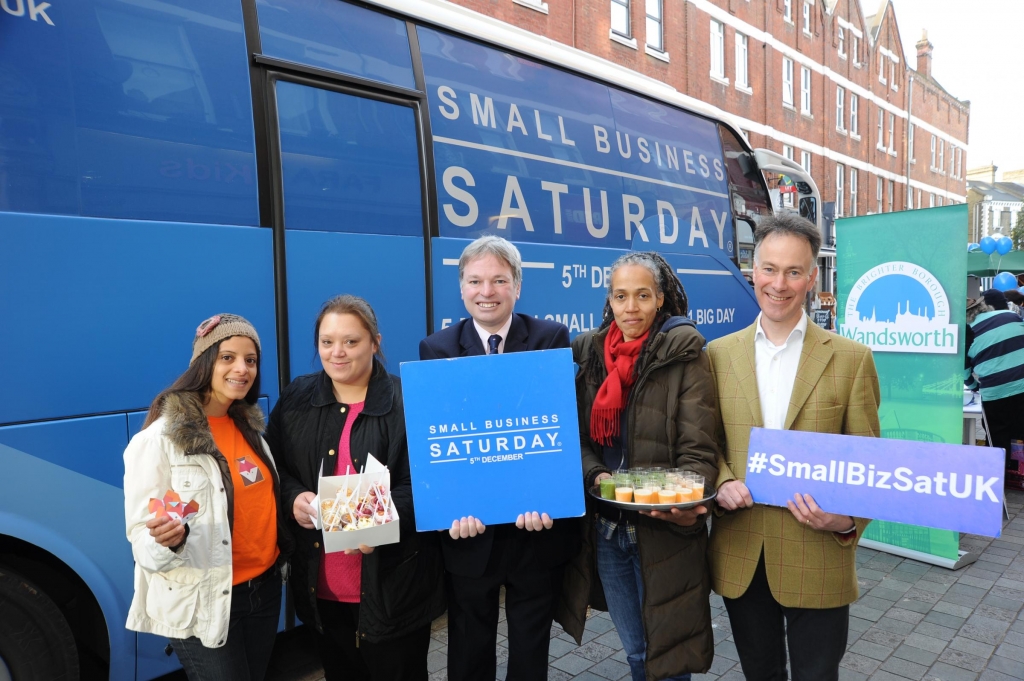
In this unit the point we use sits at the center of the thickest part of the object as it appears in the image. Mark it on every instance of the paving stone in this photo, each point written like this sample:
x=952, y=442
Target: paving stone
x=866, y=613
x=931, y=587
x=1000, y=602
x=967, y=590
x=558, y=675
x=878, y=603
x=920, y=607
x=1012, y=652
x=882, y=592
x=958, y=658
x=859, y=625
x=889, y=639
x=873, y=650
x=588, y=676
x=973, y=647
x=1006, y=665
x=572, y=664
x=992, y=675
x=849, y=675
x=859, y=663
x=935, y=631
x=1014, y=638
x=904, y=615
x=558, y=647
x=610, y=669
x=610, y=639
x=595, y=652
x=436, y=660
x=984, y=629
x=727, y=649
x=904, y=668
x=599, y=625
x=962, y=599
x=925, y=642
x=882, y=675
x=721, y=665
x=944, y=620
x=914, y=654
x=871, y=574
x=894, y=625
x=941, y=671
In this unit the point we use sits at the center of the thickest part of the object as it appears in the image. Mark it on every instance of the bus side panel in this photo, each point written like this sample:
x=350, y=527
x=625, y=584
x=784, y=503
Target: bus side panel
x=568, y=284
x=59, y=493
x=99, y=315
x=385, y=270
x=127, y=109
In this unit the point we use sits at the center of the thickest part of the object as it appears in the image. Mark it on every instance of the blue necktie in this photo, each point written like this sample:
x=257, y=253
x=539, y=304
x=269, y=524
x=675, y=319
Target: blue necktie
x=492, y=344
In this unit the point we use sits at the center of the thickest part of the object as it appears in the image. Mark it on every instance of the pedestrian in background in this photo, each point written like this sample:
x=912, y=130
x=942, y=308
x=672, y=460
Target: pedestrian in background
x=212, y=586
x=646, y=399
x=995, y=366
x=369, y=609
x=787, y=576
x=1015, y=302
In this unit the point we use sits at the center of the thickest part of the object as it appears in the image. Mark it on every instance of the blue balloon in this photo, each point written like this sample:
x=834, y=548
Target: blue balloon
x=972, y=247
x=988, y=245
x=1004, y=245
x=1004, y=281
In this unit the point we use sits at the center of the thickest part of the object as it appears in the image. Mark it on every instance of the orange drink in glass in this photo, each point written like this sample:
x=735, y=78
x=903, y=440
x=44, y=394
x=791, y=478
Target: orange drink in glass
x=667, y=496
x=624, y=493
x=698, y=487
x=644, y=495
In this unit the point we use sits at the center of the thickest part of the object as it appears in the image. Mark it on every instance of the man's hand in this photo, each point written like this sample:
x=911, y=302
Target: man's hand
x=534, y=521
x=733, y=495
x=807, y=512
x=166, y=531
x=363, y=549
x=466, y=527
x=683, y=518
x=303, y=511
x=602, y=476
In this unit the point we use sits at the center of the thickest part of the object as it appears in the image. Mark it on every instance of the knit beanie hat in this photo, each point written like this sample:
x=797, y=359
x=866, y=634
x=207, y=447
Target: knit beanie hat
x=995, y=299
x=218, y=327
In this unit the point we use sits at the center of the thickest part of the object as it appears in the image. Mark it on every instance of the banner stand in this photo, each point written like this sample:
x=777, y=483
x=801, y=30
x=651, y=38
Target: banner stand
x=965, y=559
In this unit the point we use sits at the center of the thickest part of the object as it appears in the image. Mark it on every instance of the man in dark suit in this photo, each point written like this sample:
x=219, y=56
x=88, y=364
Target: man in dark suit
x=529, y=557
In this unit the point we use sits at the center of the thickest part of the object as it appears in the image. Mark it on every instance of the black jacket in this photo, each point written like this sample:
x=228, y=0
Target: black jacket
x=469, y=557
x=402, y=585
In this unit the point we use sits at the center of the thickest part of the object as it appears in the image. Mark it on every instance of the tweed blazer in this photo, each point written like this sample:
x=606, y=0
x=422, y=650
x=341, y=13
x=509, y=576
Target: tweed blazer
x=836, y=391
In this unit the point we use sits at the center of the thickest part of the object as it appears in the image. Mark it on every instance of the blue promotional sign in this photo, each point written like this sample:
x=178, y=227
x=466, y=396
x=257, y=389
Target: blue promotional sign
x=569, y=284
x=493, y=437
x=546, y=156
x=945, y=486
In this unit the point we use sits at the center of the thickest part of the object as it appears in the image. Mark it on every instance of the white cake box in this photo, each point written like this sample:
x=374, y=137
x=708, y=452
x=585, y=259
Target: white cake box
x=377, y=535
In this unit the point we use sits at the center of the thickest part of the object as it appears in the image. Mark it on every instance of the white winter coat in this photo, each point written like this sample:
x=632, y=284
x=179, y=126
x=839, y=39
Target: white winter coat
x=187, y=593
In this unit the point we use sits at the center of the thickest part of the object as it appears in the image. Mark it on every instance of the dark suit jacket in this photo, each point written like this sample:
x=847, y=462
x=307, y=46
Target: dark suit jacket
x=468, y=557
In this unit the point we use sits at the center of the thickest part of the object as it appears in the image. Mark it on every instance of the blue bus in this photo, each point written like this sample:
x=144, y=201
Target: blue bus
x=290, y=150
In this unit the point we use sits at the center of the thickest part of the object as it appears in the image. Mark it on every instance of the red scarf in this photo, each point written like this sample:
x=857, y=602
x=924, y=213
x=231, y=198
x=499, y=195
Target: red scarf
x=619, y=358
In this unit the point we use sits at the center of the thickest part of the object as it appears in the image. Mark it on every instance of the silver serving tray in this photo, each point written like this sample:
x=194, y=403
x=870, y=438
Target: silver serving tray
x=595, y=492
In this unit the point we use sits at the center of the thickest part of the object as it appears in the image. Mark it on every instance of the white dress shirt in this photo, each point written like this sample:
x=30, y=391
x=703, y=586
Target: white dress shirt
x=503, y=332
x=776, y=372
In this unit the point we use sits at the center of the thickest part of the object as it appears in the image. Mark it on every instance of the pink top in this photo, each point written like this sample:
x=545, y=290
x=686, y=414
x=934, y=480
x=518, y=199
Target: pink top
x=340, y=574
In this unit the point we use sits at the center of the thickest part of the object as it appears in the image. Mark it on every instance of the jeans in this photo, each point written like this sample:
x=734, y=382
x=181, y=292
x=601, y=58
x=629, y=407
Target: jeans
x=618, y=566
x=255, y=610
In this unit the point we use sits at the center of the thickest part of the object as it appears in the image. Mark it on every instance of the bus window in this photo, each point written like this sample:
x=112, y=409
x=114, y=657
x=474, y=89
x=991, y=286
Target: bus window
x=350, y=164
x=338, y=37
x=748, y=194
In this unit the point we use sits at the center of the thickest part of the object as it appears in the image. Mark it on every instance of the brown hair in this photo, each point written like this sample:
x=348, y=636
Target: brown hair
x=197, y=379
x=357, y=307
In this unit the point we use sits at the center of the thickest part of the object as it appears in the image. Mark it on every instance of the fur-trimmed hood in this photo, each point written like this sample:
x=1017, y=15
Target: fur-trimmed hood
x=187, y=428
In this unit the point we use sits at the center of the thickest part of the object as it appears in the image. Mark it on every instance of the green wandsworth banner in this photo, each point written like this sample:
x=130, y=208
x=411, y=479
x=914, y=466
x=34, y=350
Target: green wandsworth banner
x=902, y=287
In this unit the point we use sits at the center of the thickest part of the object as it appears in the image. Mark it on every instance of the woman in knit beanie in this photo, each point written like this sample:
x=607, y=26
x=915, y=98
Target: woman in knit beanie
x=201, y=511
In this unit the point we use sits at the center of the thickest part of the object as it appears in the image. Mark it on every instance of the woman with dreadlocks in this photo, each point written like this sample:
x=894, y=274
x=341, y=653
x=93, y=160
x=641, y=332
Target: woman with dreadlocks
x=645, y=398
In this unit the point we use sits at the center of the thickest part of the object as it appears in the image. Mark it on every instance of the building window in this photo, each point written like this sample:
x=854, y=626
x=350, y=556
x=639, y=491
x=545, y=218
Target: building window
x=805, y=90
x=787, y=81
x=842, y=43
x=910, y=141
x=881, y=129
x=932, y=166
x=892, y=192
x=931, y=200
x=941, y=167
x=856, y=51
x=787, y=151
x=805, y=161
x=952, y=160
x=853, y=192
x=807, y=18
x=918, y=198
x=787, y=10
x=938, y=200
x=854, y=128
x=620, y=18
x=892, y=133
x=840, y=175
x=717, y=50
x=840, y=109
x=959, y=163
x=892, y=74
x=742, y=79
x=878, y=194
x=655, y=37
x=881, y=70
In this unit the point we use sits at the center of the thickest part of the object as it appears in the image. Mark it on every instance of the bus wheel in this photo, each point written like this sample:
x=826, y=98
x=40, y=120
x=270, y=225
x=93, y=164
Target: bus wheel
x=36, y=643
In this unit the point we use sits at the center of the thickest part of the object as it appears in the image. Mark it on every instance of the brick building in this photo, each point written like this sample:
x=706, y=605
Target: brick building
x=816, y=80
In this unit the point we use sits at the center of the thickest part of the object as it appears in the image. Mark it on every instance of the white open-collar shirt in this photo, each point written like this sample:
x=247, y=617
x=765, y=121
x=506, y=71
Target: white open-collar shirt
x=776, y=367
x=485, y=334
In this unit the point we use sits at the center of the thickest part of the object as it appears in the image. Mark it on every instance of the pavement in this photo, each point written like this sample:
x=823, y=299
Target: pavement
x=912, y=621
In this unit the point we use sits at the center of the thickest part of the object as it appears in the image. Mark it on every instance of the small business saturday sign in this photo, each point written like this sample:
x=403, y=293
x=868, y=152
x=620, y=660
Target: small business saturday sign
x=493, y=436
x=900, y=307
x=949, y=487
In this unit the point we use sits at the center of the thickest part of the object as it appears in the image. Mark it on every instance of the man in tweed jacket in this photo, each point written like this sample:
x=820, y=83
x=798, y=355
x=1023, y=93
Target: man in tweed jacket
x=772, y=564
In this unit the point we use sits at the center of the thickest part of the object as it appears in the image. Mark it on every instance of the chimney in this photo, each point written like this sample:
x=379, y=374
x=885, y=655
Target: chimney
x=983, y=174
x=924, y=55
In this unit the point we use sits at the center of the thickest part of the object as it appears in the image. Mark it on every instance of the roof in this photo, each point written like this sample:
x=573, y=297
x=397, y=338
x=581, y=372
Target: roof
x=1000, y=191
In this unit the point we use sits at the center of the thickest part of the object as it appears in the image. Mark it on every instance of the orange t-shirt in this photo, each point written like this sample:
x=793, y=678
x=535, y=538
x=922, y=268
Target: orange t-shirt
x=254, y=537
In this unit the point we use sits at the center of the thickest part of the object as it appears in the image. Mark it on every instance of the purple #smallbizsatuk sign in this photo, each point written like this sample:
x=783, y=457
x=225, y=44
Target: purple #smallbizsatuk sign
x=949, y=487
